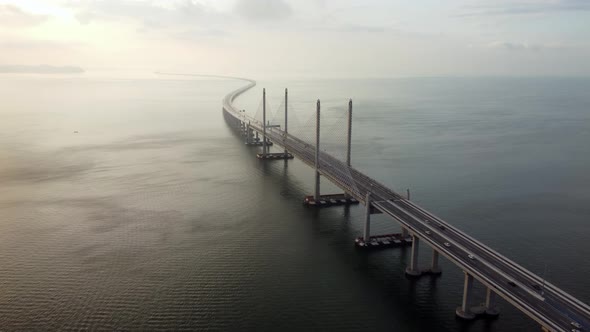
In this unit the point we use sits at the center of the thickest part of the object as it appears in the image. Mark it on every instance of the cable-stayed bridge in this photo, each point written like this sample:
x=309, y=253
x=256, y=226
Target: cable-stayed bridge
x=551, y=307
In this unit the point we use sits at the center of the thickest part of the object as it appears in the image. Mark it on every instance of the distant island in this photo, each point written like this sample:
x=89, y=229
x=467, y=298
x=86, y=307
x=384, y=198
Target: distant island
x=40, y=69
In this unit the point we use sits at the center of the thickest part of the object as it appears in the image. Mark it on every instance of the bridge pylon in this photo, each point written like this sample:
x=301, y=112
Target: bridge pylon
x=317, y=199
x=266, y=155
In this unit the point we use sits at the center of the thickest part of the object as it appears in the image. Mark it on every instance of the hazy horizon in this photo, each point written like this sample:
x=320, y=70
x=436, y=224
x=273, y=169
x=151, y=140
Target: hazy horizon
x=308, y=39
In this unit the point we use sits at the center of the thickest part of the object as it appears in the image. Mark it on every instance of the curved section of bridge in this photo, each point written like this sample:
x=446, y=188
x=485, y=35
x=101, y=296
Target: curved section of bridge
x=551, y=307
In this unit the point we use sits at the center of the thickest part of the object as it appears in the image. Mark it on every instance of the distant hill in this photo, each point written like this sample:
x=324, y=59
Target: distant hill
x=40, y=69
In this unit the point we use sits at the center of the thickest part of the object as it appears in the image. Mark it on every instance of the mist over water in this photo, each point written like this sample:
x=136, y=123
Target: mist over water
x=130, y=204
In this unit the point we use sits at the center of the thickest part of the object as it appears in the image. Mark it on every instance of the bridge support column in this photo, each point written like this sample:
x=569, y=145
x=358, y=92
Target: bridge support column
x=413, y=270
x=491, y=306
x=248, y=134
x=434, y=268
x=264, y=142
x=464, y=311
x=286, y=117
x=367, y=233
x=349, y=138
x=317, y=153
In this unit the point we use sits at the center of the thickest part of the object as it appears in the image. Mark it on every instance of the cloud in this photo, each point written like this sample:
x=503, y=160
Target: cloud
x=146, y=12
x=520, y=46
x=41, y=69
x=14, y=16
x=365, y=28
x=183, y=20
x=38, y=45
x=526, y=7
x=258, y=10
x=186, y=20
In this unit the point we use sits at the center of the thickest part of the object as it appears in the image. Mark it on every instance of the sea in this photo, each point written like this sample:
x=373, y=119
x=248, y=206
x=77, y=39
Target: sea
x=130, y=204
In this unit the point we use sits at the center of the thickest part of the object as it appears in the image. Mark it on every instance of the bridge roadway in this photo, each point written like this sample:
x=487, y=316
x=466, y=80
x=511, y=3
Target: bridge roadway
x=554, y=310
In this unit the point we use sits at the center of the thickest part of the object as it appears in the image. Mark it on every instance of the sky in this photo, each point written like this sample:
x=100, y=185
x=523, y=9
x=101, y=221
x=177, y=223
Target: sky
x=301, y=38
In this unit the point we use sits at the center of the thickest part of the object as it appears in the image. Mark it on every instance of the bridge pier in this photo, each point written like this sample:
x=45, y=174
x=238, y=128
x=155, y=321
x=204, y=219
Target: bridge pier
x=248, y=134
x=434, y=268
x=490, y=305
x=413, y=269
x=464, y=311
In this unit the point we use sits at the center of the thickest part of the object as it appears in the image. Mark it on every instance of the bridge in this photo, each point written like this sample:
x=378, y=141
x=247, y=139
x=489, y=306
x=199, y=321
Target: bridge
x=551, y=307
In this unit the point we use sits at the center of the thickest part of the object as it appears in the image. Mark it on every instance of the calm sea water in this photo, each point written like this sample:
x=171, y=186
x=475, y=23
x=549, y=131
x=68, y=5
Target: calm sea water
x=130, y=204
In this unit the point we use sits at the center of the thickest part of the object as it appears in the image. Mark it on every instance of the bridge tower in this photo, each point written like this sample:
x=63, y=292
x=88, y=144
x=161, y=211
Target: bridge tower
x=349, y=140
x=317, y=199
x=286, y=116
x=266, y=142
x=317, y=153
x=349, y=133
x=264, y=146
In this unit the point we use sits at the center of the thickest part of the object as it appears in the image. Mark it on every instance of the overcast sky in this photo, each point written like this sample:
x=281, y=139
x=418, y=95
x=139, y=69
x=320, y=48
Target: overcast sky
x=288, y=38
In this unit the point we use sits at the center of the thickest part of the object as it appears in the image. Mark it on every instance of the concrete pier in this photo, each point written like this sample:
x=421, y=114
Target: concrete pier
x=434, y=268
x=464, y=311
x=491, y=306
x=248, y=134
x=413, y=269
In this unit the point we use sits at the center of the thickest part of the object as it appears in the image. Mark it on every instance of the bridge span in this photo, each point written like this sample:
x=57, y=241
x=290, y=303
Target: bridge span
x=551, y=307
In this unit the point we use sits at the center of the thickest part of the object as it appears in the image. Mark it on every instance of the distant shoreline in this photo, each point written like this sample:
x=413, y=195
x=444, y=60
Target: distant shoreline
x=40, y=69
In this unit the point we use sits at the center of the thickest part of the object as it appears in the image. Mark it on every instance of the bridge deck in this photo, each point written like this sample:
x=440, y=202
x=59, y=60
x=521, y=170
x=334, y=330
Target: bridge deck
x=555, y=309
